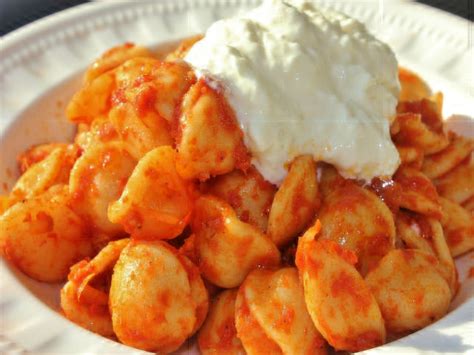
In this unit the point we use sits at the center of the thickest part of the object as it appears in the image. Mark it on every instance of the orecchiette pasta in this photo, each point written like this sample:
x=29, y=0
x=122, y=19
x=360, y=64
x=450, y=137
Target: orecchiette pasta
x=409, y=289
x=227, y=248
x=183, y=48
x=417, y=192
x=339, y=302
x=98, y=179
x=101, y=130
x=295, y=202
x=413, y=233
x=275, y=300
x=39, y=177
x=209, y=142
x=87, y=304
x=113, y=58
x=35, y=154
x=154, y=86
x=134, y=131
x=218, y=334
x=415, y=133
x=412, y=156
x=90, y=310
x=440, y=163
x=92, y=100
x=412, y=86
x=43, y=237
x=166, y=315
x=357, y=219
x=156, y=202
x=248, y=194
x=458, y=226
x=458, y=184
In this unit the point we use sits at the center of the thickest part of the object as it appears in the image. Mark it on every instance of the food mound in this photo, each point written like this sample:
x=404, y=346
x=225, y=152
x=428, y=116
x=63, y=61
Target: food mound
x=162, y=228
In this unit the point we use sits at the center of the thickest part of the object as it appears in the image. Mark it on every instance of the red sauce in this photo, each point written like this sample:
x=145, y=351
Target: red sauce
x=227, y=334
x=145, y=100
x=346, y=286
x=144, y=78
x=388, y=191
x=285, y=321
x=428, y=111
x=334, y=248
x=118, y=97
x=471, y=272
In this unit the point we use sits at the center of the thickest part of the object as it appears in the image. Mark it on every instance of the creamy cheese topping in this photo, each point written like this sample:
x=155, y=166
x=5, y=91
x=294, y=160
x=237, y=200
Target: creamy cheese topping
x=305, y=81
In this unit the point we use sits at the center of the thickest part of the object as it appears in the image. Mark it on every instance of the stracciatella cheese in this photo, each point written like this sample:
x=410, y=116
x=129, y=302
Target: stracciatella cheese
x=305, y=81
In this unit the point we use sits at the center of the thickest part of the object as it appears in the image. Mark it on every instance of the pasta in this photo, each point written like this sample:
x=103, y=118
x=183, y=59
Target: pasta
x=98, y=178
x=409, y=289
x=350, y=208
x=248, y=194
x=339, y=302
x=218, y=334
x=275, y=300
x=167, y=308
x=156, y=202
x=161, y=227
x=208, y=139
x=52, y=238
x=295, y=202
x=227, y=248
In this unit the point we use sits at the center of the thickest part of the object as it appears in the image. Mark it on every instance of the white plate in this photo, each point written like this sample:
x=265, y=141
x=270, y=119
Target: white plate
x=39, y=66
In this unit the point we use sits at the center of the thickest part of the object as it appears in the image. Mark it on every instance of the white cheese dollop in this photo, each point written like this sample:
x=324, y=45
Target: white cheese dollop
x=305, y=81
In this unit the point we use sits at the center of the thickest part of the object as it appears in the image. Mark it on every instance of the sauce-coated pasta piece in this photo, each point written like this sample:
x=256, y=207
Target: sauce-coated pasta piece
x=440, y=163
x=209, y=141
x=151, y=298
x=458, y=226
x=413, y=132
x=249, y=331
x=101, y=130
x=156, y=202
x=36, y=154
x=43, y=237
x=90, y=311
x=97, y=179
x=413, y=233
x=53, y=169
x=218, y=334
x=458, y=184
x=87, y=304
x=418, y=193
x=141, y=134
x=329, y=179
x=411, y=156
x=295, y=203
x=412, y=86
x=180, y=52
x=426, y=234
x=339, y=302
x=409, y=289
x=154, y=86
x=92, y=100
x=358, y=220
x=199, y=292
x=276, y=301
x=227, y=248
x=429, y=109
x=441, y=248
x=248, y=194
x=113, y=57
